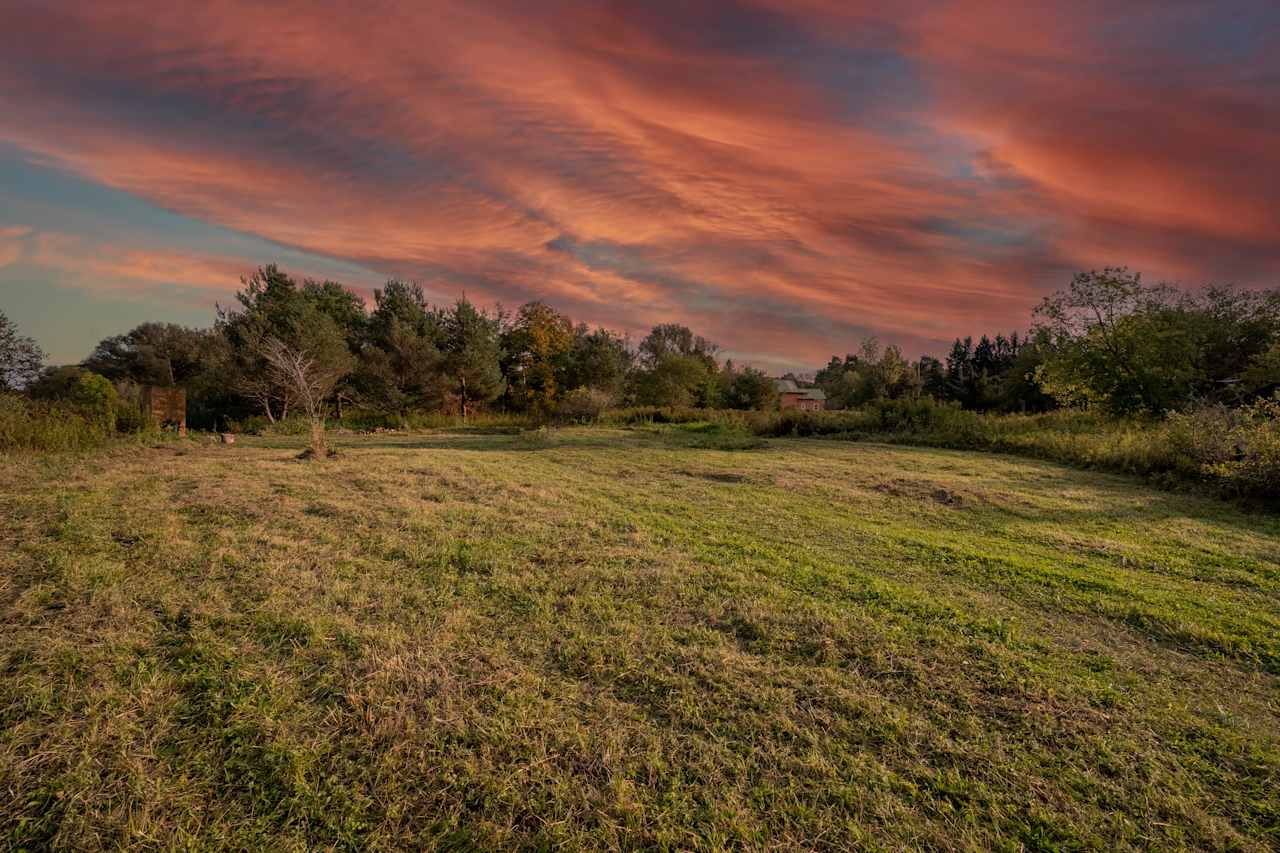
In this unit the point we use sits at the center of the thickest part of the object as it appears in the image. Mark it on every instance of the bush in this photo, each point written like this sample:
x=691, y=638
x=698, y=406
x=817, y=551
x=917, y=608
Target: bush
x=1197, y=440
x=128, y=408
x=1254, y=468
x=96, y=398
x=41, y=425
x=296, y=425
x=252, y=425
x=583, y=406
x=128, y=417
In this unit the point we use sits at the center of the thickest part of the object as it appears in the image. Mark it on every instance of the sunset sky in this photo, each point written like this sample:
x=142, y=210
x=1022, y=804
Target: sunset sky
x=784, y=176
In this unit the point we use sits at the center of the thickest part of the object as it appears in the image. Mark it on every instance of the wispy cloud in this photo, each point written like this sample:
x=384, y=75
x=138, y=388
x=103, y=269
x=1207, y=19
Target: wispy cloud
x=786, y=176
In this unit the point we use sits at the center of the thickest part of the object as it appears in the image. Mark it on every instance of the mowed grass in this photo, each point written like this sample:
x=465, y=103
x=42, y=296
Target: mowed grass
x=601, y=639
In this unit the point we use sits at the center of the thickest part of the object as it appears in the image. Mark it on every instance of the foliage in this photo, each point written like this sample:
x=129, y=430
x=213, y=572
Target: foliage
x=21, y=358
x=166, y=354
x=1128, y=347
x=473, y=350
x=672, y=339
x=322, y=319
x=344, y=307
x=402, y=363
x=310, y=371
x=56, y=383
x=269, y=307
x=583, y=405
x=1214, y=447
x=44, y=425
x=675, y=367
x=1253, y=466
x=129, y=416
x=599, y=359
x=88, y=413
x=995, y=374
x=1262, y=376
x=96, y=397
x=674, y=380
x=156, y=354
x=875, y=373
x=748, y=389
x=1108, y=342
x=536, y=353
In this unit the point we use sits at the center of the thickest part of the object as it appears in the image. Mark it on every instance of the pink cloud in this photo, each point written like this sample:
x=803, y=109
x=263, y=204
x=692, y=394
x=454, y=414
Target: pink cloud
x=640, y=165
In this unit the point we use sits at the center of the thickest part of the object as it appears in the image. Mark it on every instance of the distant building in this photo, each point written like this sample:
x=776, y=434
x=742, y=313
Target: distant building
x=165, y=407
x=792, y=396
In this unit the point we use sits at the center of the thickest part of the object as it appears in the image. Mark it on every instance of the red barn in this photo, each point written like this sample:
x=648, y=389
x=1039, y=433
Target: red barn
x=792, y=396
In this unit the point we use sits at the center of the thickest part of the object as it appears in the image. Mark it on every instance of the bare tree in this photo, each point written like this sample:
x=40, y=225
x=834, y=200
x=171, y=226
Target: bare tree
x=309, y=380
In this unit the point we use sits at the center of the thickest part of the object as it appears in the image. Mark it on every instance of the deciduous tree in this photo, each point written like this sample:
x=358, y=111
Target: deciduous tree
x=536, y=357
x=21, y=358
x=308, y=367
x=154, y=354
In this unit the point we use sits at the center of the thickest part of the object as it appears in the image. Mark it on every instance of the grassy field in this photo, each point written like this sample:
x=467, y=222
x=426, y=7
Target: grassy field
x=606, y=639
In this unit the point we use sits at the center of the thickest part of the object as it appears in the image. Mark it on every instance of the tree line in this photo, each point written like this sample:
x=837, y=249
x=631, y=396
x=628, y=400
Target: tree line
x=286, y=348
x=1108, y=341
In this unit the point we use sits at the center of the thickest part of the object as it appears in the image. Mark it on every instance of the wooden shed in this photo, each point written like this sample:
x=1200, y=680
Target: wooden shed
x=165, y=407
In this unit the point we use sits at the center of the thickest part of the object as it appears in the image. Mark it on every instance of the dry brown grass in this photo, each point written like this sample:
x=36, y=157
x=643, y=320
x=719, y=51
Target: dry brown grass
x=597, y=639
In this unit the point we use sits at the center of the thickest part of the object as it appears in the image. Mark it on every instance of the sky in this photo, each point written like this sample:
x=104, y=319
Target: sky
x=786, y=177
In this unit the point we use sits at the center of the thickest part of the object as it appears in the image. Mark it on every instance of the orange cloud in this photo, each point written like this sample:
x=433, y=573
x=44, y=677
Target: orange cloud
x=12, y=243
x=786, y=176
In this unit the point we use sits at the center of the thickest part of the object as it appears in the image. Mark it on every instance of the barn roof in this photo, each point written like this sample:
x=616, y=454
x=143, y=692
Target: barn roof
x=788, y=386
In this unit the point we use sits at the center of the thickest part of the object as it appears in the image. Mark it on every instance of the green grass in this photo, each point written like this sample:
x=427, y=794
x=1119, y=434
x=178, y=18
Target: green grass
x=601, y=639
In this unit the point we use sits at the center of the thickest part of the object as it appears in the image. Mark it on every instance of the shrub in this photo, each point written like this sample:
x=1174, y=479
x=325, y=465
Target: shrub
x=27, y=424
x=297, y=425
x=369, y=420
x=128, y=408
x=1197, y=440
x=128, y=417
x=1254, y=468
x=583, y=405
x=96, y=397
x=538, y=438
x=252, y=425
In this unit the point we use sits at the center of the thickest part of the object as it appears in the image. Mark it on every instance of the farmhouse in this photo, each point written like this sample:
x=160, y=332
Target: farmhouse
x=792, y=396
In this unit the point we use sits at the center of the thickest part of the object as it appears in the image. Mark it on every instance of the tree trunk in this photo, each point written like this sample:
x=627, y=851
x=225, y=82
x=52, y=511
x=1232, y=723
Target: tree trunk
x=266, y=407
x=318, y=448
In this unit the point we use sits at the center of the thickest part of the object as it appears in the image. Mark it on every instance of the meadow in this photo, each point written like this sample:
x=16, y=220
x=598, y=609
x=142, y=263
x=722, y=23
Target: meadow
x=645, y=638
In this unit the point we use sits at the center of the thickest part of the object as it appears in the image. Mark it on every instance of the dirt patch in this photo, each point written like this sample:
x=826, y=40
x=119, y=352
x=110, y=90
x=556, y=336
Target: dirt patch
x=310, y=453
x=920, y=490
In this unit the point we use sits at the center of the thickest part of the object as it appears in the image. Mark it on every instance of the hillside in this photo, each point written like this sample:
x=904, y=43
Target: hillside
x=608, y=638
